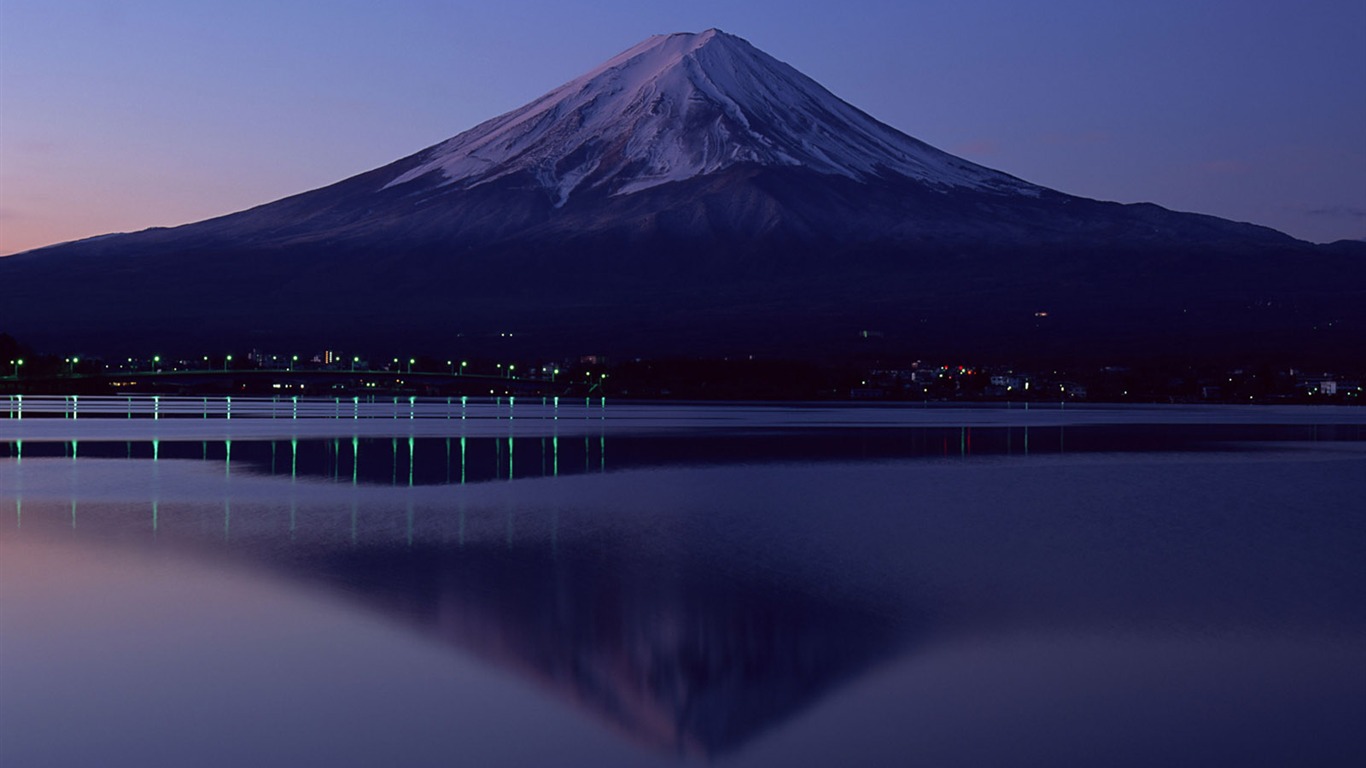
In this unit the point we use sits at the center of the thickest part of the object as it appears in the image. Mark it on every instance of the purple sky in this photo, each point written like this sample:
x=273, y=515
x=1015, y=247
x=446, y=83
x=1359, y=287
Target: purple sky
x=119, y=115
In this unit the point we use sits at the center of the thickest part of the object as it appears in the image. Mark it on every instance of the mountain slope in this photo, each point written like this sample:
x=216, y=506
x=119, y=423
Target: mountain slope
x=691, y=195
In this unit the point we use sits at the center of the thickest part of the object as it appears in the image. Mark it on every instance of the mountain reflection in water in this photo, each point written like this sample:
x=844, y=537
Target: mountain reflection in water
x=729, y=585
x=677, y=656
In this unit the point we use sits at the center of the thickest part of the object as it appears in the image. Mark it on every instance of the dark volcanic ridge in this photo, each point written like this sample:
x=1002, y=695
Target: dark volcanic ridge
x=694, y=196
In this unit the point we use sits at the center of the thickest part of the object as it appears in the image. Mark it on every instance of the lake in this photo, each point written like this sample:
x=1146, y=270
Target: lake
x=610, y=584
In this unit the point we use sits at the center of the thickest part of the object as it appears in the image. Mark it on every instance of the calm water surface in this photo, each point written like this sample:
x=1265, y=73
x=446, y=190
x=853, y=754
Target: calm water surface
x=754, y=588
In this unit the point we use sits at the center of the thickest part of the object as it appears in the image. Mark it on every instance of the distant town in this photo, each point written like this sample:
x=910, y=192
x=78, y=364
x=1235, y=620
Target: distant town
x=329, y=373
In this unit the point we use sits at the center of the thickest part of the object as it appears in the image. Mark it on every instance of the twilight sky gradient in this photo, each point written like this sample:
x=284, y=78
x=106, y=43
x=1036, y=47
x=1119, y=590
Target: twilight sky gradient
x=116, y=115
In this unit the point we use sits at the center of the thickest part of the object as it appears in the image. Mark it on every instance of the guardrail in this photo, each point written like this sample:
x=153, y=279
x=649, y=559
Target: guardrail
x=159, y=407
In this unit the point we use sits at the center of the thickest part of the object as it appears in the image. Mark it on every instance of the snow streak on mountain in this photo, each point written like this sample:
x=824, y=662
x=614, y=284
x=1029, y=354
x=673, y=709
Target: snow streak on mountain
x=684, y=105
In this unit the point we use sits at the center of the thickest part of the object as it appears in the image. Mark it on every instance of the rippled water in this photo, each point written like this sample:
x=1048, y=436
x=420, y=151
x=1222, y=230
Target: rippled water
x=744, y=586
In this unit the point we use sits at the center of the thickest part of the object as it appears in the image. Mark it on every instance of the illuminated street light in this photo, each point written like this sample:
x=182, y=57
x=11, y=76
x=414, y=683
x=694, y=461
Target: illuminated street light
x=410, y=364
x=17, y=363
x=226, y=361
x=354, y=360
x=292, y=360
x=156, y=362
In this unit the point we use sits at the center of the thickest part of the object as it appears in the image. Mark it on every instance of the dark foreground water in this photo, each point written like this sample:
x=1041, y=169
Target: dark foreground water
x=887, y=589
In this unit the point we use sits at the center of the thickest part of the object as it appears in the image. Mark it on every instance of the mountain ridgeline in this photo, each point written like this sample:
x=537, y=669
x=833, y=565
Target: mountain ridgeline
x=694, y=196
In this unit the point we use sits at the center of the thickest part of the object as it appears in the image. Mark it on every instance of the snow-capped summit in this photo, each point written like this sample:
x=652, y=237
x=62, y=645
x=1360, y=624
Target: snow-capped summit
x=684, y=105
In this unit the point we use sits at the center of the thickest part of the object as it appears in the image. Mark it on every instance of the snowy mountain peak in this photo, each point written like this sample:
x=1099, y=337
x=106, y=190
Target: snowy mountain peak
x=678, y=106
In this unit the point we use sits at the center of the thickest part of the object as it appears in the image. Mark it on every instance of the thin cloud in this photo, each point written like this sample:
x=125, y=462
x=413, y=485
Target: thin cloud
x=1338, y=212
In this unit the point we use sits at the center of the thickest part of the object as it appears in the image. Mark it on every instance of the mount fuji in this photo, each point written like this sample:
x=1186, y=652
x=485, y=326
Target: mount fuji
x=694, y=196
